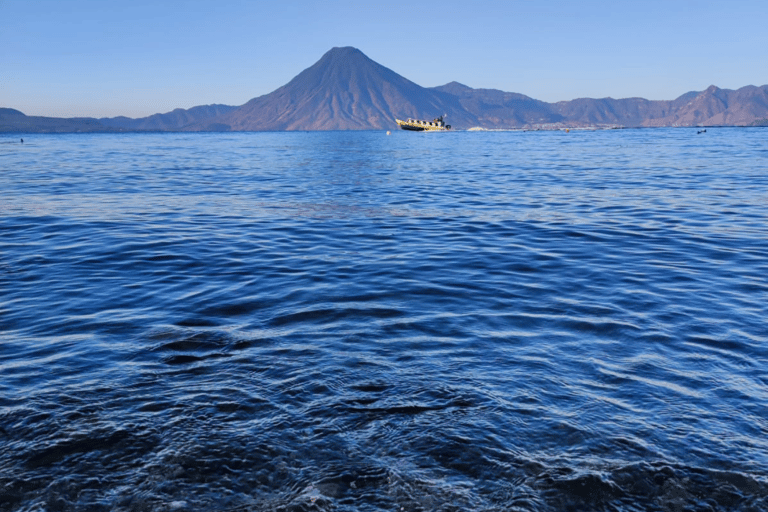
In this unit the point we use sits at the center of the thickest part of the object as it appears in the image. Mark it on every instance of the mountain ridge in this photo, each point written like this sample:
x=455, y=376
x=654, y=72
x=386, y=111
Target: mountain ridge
x=346, y=90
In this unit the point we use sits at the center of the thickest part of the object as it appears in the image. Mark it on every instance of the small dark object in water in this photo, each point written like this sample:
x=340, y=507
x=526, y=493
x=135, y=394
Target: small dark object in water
x=22, y=141
x=702, y=131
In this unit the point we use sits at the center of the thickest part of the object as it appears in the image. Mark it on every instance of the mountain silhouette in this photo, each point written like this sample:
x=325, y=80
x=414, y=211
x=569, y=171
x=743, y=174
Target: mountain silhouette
x=173, y=120
x=346, y=90
x=492, y=108
x=718, y=107
x=14, y=121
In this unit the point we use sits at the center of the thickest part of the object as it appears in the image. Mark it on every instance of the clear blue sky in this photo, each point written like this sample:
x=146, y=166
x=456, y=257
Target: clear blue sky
x=137, y=57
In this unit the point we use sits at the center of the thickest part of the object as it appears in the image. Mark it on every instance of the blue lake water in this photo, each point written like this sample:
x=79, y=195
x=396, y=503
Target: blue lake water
x=351, y=321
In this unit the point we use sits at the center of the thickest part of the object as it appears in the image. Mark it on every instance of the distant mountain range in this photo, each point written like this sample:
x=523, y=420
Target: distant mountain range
x=345, y=90
x=14, y=121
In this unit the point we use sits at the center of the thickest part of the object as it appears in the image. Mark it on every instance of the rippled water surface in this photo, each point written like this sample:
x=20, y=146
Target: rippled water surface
x=350, y=321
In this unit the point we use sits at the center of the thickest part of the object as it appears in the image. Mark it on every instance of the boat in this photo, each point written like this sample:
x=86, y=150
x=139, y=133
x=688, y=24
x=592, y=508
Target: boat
x=417, y=125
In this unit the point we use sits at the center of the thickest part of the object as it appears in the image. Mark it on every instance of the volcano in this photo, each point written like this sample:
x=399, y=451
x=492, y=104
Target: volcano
x=344, y=90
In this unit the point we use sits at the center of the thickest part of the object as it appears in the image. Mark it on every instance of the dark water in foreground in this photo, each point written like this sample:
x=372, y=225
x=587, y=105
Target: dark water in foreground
x=358, y=322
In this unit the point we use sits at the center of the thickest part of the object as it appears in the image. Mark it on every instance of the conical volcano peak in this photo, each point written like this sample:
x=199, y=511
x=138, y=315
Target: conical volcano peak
x=344, y=90
x=343, y=71
x=343, y=51
x=347, y=90
x=344, y=54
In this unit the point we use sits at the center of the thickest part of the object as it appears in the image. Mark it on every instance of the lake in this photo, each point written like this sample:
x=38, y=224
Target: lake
x=356, y=321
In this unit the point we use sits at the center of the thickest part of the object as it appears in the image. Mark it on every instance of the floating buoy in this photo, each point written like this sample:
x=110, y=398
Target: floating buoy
x=388, y=132
x=567, y=130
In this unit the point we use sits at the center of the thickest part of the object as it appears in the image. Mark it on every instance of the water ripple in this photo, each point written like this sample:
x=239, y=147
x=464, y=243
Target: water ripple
x=350, y=321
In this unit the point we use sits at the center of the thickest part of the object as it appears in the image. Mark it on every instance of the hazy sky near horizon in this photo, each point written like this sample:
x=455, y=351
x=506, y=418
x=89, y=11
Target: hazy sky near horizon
x=68, y=58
